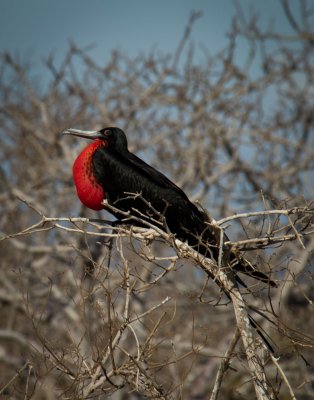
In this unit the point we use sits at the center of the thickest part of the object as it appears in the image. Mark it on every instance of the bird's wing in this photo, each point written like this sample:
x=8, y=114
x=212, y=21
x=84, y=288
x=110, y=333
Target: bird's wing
x=154, y=176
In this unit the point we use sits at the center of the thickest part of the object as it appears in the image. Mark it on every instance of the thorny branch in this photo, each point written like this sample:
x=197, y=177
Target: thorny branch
x=47, y=223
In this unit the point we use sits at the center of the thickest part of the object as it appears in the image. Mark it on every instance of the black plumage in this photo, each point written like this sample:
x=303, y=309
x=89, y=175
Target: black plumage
x=131, y=185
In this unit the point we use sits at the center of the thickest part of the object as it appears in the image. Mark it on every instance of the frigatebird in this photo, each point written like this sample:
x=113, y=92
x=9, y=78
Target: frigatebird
x=107, y=170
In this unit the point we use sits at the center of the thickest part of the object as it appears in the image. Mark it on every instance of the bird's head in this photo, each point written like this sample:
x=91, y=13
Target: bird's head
x=112, y=138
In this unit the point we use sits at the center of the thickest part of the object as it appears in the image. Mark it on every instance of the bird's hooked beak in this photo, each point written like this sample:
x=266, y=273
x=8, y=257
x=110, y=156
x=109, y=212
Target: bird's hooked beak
x=92, y=135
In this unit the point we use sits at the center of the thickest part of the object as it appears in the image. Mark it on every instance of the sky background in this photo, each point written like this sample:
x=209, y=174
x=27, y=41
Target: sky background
x=33, y=29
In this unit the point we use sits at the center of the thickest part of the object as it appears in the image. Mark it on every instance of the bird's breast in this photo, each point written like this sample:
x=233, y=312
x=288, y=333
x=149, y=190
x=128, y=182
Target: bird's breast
x=88, y=189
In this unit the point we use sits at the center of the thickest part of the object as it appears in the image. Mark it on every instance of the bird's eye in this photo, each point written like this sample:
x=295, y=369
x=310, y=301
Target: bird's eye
x=107, y=132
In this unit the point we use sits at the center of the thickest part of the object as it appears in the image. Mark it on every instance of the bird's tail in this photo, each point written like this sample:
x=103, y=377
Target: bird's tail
x=240, y=264
x=235, y=259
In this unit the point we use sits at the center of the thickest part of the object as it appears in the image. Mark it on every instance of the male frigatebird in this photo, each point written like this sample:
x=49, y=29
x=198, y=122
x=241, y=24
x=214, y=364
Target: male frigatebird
x=107, y=170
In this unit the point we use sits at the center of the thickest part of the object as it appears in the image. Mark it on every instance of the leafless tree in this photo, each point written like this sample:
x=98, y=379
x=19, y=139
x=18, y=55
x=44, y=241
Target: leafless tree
x=90, y=310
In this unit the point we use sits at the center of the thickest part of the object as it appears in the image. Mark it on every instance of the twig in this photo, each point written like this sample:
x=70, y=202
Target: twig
x=298, y=236
x=275, y=361
x=290, y=211
x=14, y=377
x=138, y=353
x=193, y=17
x=97, y=379
x=225, y=364
x=248, y=244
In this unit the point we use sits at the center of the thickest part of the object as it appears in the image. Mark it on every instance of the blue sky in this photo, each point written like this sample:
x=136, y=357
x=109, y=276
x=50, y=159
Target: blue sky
x=35, y=28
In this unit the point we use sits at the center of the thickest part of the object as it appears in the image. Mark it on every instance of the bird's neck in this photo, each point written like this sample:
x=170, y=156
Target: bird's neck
x=88, y=189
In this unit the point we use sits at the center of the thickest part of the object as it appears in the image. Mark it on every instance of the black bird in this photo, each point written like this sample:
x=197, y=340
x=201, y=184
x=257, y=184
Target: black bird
x=106, y=169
